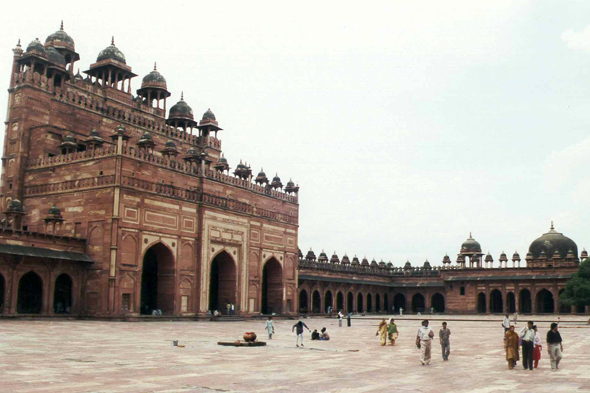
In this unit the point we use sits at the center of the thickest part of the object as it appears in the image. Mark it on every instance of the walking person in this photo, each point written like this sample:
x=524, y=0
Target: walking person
x=424, y=342
x=555, y=346
x=401, y=311
x=348, y=319
x=506, y=324
x=445, y=343
x=511, y=347
x=527, y=335
x=340, y=318
x=392, y=331
x=538, y=348
x=270, y=327
x=382, y=332
x=299, y=325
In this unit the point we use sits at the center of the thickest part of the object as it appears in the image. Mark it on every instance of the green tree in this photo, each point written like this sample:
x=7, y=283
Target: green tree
x=577, y=290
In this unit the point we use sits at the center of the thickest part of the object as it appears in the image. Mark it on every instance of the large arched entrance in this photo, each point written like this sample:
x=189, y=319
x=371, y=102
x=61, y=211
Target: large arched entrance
x=340, y=301
x=316, y=306
x=303, y=301
x=2, y=286
x=222, y=287
x=377, y=302
x=157, y=280
x=30, y=294
x=545, y=302
x=369, y=302
x=359, y=303
x=328, y=302
x=271, y=300
x=350, y=302
x=418, y=303
x=525, y=305
x=399, y=302
x=510, y=303
x=438, y=303
x=563, y=309
x=481, y=303
x=385, y=304
x=62, y=295
x=496, y=305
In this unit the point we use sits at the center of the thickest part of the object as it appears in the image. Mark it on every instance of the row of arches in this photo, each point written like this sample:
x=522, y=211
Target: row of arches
x=158, y=285
x=376, y=302
x=30, y=294
x=544, y=303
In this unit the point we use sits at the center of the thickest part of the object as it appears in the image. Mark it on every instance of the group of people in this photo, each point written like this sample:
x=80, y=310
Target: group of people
x=530, y=340
x=315, y=335
x=387, y=330
x=424, y=341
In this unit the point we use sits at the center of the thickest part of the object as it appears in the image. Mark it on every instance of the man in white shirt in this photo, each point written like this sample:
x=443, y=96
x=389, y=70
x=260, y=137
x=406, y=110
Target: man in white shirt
x=527, y=335
x=506, y=324
x=340, y=318
x=424, y=342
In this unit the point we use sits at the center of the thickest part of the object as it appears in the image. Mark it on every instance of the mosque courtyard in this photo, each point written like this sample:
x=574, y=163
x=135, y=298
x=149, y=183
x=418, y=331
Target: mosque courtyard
x=96, y=356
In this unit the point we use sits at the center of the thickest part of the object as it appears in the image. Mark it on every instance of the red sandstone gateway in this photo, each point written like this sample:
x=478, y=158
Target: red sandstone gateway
x=113, y=209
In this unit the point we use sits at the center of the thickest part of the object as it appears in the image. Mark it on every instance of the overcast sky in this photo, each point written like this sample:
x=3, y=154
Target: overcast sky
x=407, y=124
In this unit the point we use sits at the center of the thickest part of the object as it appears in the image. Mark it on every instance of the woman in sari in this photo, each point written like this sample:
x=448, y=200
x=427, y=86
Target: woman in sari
x=538, y=348
x=511, y=346
x=392, y=331
x=382, y=331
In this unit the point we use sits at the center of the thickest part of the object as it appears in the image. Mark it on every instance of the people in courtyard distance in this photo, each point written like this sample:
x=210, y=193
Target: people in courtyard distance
x=382, y=332
x=340, y=316
x=392, y=331
x=270, y=328
x=506, y=324
x=527, y=337
x=324, y=336
x=511, y=347
x=299, y=326
x=555, y=346
x=348, y=319
x=444, y=335
x=424, y=342
x=315, y=335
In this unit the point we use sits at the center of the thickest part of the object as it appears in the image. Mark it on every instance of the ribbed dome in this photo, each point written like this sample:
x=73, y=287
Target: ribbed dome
x=36, y=45
x=334, y=258
x=408, y=265
x=55, y=57
x=222, y=159
x=181, y=110
x=208, y=115
x=355, y=260
x=553, y=241
x=60, y=39
x=345, y=260
x=470, y=245
x=323, y=257
x=111, y=52
x=154, y=79
x=365, y=262
x=146, y=137
x=389, y=264
x=427, y=265
x=170, y=144
x=15, y=206
x=310, y=255
x=54, y=211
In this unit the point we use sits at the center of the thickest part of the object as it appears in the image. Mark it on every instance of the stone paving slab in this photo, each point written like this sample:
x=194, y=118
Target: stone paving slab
x=98, y=356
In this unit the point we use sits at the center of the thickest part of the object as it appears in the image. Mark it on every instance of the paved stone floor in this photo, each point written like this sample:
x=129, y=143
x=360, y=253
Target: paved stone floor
x=89, y=356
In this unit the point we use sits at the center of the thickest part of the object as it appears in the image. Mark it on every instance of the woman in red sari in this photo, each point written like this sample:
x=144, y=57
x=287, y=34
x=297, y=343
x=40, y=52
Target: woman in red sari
x=538, y=347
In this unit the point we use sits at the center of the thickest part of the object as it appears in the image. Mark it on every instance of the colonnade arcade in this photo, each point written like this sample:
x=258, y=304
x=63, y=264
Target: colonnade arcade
x=319, y=299
x=527, y=300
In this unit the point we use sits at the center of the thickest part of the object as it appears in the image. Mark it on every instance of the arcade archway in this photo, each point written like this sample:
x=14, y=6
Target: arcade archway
x=369, y=302
x=496, y=305
x=2, y=286
x=481, y=303
x=271, y=300
x=385, y=304
x=359, y=303
x=349, y=302
x=438, y=303
x=328, y=302
x=545, y=303
x=340, y=302
x=303, y=301
x=418, y=303
x=157, y=280
x=223, y=282
x=525, y=305
x=399, y=302
x=377, y=302
x=30, y=294
x=510, y=303
x=316, y=306
x=62, y=295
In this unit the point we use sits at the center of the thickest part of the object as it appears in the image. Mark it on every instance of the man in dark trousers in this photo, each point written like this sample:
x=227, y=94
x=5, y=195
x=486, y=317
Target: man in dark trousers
x=527, y=335
x=299, y=325
x=555, y=346
x=348, y=319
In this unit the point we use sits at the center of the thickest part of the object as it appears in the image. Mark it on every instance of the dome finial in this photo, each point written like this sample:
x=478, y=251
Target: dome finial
x=182, y=96
x=552, y=224
x=470, y=235
x=62, y=25
x=113, y=40
x=155, y=66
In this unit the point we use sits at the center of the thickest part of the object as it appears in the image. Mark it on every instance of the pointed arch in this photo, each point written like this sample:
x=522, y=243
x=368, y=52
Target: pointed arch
x=316, y=302
x=303, y=301
x=438, y=303
x=222, y=282
x=481, y=303
x=525, y=303
x=62, y=294
x=328, y=301
x=399, y=302
x=496, y=303
x=271, y=299
x=545, y=302
x=418, y=303
x=157, y=280
x=339, y=301
x=30, y=294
